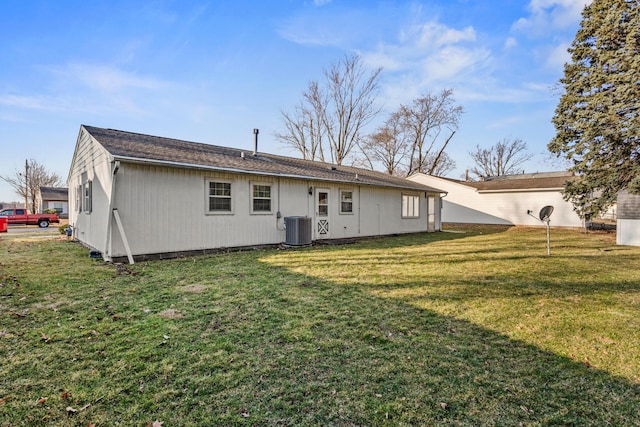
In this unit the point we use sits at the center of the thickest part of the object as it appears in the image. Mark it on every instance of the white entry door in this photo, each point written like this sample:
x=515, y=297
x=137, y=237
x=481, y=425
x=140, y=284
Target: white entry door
x=323, y=228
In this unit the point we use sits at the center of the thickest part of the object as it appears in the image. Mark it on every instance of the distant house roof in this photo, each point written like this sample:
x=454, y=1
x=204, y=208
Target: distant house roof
x=135, y=147
x=521, y=182
x=54, y=193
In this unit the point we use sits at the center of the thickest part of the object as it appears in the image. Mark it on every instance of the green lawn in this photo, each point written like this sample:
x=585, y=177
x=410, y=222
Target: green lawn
x=474, y=328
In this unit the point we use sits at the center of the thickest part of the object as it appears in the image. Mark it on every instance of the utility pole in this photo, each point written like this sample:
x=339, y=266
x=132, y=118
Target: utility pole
x=26, y=184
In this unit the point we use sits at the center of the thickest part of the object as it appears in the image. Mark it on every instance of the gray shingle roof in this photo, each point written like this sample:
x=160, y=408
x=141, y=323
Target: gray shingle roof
x=134, y=146
x=543, y=181
x=54, y=193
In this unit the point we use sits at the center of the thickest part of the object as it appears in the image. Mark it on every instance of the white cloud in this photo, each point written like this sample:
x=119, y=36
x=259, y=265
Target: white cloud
x=26, y=102
x=108, y=87
x=558, y=56
x=434, y=35
x=549, y=15
x=453, y=61
x=90, y=89
x=510, y=42
x=429, y=56
x=507, y=122
x=107, y=79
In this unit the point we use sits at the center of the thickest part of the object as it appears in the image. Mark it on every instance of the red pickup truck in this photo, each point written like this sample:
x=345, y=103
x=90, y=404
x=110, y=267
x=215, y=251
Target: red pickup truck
x=20, y=216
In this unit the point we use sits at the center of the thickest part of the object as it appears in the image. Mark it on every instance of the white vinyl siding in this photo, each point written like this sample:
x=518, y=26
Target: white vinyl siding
x=464, y=204
x=146, y=195
x=90, y=175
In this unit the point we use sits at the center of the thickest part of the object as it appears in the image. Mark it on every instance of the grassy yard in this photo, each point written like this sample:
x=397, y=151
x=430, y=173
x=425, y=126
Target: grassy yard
x=474, y=328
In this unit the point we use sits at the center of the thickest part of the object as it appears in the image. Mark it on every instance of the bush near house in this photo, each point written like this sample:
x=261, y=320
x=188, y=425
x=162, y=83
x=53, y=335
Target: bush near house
x=474, y=328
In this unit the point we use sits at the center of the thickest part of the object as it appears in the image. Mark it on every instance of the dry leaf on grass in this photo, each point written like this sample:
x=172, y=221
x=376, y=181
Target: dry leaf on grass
x=170, y=313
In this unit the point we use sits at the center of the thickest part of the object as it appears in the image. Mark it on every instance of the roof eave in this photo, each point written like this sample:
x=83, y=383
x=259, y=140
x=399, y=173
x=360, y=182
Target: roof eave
x=521, y=190
x=262, y=173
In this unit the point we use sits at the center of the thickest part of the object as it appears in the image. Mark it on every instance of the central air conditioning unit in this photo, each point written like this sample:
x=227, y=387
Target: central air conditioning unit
x=298, y=230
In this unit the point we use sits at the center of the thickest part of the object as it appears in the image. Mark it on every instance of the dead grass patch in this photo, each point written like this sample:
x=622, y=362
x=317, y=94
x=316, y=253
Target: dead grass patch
x=194, y=289
x=170, y=313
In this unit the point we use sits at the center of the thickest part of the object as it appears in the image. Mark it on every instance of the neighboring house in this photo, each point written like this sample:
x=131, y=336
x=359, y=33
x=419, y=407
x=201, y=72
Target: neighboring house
x=54, y=198
x=504, y=200
x=628, y=219
x=144, y=196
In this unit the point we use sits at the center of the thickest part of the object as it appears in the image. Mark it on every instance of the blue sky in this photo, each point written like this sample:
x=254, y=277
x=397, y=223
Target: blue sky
x=212, y=71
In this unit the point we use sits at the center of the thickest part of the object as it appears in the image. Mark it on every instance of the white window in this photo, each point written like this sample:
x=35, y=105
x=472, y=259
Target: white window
x=219, y=197
x=260, y=198
x=323, y=203
x=346, y=202
x=79, y=198
x=410, y=206
x=88, y=197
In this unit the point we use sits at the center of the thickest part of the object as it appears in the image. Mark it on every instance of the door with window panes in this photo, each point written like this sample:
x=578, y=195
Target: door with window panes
x=322, y=226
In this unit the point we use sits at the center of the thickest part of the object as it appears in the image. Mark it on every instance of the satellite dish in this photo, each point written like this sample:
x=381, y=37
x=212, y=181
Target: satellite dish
x=545, y=213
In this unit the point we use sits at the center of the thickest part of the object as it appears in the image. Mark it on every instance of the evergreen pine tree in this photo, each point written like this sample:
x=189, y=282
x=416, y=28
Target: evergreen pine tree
x=598, y=119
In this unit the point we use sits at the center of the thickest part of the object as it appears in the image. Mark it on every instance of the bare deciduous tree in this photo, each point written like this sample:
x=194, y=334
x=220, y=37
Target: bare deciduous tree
x=303, y=132
x=337, y=111
x=424, y=120
x=27, y=183
x=387, y=146
x=410, y=140
x=503, y=158
x=441, y=166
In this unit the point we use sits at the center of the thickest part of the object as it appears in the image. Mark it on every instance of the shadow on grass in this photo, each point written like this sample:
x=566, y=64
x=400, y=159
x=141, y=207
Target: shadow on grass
x=412, y=239
x=341, y=356
x=255, y=343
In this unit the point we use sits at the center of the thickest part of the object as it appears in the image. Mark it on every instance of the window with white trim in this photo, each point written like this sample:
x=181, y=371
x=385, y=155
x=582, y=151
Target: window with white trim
x=260, y=197
x=88, y=196
x=79, y=198
x=410, y=206
x=219, y=197
x=346, y=201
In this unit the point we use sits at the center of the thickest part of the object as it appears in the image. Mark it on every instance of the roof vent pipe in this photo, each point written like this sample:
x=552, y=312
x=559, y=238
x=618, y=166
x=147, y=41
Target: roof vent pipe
x=255, y=142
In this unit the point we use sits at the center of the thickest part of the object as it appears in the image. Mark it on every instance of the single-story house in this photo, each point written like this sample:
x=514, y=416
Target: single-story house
x=139, y=196
x=54, y=198
x=628, y=219
x=510, y=200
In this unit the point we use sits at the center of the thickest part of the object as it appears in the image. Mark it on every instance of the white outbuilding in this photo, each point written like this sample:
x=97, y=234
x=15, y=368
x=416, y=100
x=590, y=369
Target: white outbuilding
x=137, y=196
x=628, y=219
x=509, y=200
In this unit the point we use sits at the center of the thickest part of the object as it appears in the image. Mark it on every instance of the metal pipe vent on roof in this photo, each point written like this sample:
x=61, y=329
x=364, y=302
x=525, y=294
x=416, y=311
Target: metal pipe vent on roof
x=255, y=142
